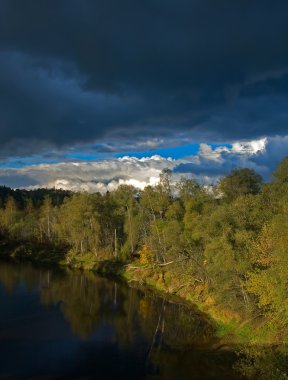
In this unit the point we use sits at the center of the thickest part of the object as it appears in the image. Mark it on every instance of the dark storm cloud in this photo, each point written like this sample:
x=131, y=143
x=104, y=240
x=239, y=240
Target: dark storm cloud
x=77, y=71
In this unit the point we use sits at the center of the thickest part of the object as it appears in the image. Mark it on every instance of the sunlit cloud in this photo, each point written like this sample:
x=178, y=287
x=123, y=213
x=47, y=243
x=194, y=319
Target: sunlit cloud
x=103, y=175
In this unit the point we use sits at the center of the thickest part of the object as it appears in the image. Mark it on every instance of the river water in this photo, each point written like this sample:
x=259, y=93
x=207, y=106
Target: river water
x=71, y=325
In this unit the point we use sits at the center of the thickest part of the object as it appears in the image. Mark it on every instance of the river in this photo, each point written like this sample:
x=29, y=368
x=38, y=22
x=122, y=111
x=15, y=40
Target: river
x=57, y=324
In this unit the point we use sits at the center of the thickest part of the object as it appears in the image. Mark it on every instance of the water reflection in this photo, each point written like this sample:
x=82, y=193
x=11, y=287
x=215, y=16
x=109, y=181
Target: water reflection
x=75, y=325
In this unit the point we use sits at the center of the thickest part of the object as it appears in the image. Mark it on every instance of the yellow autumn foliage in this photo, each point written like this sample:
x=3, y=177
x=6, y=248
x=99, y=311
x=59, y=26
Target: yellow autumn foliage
x=145, y=255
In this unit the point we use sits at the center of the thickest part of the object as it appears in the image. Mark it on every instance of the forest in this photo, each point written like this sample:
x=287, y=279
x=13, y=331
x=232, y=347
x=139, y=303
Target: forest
x=223, y=247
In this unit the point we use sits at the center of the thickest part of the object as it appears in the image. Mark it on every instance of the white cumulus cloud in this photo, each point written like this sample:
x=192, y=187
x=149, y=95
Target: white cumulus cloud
x=103, y=175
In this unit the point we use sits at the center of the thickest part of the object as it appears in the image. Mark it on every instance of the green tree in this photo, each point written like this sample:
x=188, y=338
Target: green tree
x=188, y=189
x=126, y=199
x=79, y=224
x=9, y=218
x=240, y=182
x=281, y=173
x=46, y=219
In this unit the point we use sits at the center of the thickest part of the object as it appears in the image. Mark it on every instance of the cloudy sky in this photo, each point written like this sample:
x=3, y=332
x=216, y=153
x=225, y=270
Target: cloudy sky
x=94, y=93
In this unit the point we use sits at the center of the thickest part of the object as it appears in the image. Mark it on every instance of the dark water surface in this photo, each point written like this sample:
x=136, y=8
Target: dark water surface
x=67, y=325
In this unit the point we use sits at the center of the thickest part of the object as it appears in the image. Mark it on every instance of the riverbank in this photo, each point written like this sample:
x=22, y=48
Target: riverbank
x=173, y=327
x=39, y=253
x=54, y=308
x=232, y=326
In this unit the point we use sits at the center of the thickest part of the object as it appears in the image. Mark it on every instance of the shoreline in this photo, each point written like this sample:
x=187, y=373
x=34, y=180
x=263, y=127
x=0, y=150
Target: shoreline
x=229, y=327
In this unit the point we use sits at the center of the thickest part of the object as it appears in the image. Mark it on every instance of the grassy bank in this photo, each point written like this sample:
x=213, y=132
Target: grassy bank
x=232, y=326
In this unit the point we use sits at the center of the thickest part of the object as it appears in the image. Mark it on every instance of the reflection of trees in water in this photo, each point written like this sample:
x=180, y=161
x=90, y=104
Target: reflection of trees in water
x=181, y=344
x=174, y=324
x=12, y=275
x=78, y=300
x=9, y=279
x=174, y=340
x=88, y=301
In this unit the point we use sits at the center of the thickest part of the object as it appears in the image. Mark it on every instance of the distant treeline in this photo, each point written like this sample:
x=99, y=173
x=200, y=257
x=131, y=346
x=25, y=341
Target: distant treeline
x=37, y=196
x=227, y=246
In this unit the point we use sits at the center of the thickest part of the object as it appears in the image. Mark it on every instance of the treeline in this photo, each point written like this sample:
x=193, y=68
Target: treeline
x=22, y=196
x=226, y=245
